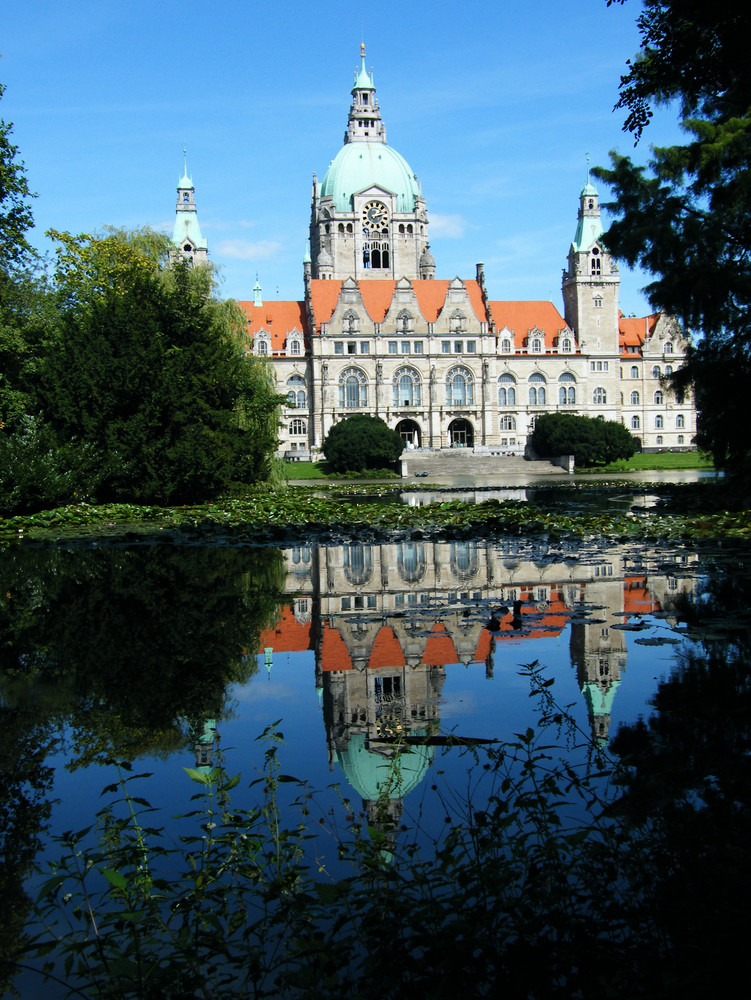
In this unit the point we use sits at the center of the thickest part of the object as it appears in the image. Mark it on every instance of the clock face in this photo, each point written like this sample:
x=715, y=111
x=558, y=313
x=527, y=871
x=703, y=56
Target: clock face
x=375, y=213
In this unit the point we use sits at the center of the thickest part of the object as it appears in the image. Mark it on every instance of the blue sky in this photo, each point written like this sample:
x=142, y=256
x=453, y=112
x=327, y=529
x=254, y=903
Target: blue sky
x=495, y=107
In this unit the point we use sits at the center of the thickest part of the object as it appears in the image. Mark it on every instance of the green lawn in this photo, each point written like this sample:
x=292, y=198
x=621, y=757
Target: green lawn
x=659, y=460
x=320, y=470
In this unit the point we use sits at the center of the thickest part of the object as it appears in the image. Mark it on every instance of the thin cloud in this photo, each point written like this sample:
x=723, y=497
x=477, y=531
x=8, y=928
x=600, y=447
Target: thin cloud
x=244, y=250
x=448, y=227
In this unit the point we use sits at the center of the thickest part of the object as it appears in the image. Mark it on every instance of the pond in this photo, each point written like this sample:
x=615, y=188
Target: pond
x=388, y=670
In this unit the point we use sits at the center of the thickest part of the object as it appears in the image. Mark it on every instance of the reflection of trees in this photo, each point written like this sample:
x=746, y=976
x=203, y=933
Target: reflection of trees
x=686, y=798
x=123, y=644
x=148, y=633
x=25, y=807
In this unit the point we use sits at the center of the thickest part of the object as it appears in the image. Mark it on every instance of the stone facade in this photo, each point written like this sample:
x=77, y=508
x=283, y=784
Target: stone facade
x=439, y=360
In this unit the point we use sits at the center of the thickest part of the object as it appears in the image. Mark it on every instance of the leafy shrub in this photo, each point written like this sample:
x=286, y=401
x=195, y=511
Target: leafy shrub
x=591, y=441
x=361, y=442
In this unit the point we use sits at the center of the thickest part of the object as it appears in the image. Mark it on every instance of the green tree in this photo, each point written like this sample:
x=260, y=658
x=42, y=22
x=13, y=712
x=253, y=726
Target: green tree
x=148, y=369
x=686, y=217
x=591, y=441
x=361, y=442
x=15, y=212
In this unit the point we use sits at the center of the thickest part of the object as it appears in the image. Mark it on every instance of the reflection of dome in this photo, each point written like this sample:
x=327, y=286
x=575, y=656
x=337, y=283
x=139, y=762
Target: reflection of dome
x=372, y=775
x=360, y=165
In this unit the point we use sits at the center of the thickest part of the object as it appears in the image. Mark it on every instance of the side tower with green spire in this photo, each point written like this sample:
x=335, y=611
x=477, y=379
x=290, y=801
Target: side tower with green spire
x=591, y=282
x=189, y=243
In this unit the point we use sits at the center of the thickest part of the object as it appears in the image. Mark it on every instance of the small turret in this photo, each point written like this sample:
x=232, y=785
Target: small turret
x=189, y=243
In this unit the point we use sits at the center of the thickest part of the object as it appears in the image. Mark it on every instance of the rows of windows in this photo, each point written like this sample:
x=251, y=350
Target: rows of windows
x=656, y=371
x=680, y=422
x=535, y=345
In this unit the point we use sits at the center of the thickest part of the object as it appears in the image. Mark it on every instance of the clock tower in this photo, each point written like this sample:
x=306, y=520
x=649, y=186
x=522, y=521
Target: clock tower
x=368, y=215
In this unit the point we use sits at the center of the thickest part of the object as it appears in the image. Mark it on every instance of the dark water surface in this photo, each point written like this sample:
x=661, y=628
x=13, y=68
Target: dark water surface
x=180, y=656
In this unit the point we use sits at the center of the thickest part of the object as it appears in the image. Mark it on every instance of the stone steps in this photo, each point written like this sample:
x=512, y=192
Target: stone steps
x=464, y=462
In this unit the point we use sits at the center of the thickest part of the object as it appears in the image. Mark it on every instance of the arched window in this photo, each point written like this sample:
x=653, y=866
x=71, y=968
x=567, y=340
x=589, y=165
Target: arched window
x=656, y=371
x=669, y=347
x=634, y=398
x=659, y=397
x=458, y=322
x=294, y=347
x=505, y=346
x=599, y=396
x=406, y=386
x=537, y=389
x=507, y=390
x=459, y=389
x=680, y=422
x=537, y=346
x=680, y=439
x=566, y=346
x=262, y=347
x=357, y=563
x=508, y=423
x=634, y=371
x=596, y=262
x=353, y=389
x=668, y=369
x=567, y=389
x=404, y=322
x=297, y=426
x=659, y=439
x=658, y=422
x=635, y=423
x=296, y=392
x=463, y=559
x=410, y=561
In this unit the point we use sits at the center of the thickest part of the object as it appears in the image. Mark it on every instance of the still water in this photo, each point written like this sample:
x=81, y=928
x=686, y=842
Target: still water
x=176, y=656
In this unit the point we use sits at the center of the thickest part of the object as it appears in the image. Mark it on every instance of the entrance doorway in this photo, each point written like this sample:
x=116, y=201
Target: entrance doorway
x=461, y=434
x=409, y=432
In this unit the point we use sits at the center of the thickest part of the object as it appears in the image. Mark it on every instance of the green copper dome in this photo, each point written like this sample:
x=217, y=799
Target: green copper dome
x=372, y=775
x=360, y=165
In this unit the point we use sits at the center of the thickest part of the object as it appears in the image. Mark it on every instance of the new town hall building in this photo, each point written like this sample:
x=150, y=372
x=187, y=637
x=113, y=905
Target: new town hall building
x=438, y=359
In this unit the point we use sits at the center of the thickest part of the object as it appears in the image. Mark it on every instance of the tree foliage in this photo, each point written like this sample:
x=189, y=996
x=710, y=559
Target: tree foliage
x=686, y=216
x=589, y=440
x=361, y=442
x=15, y=211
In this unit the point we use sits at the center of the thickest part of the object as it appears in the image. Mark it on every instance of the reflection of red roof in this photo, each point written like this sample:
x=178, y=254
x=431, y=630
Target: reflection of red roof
x=636, y=599
x=377, y=295
x=549, y=623
x=386, y=650
x=276, y=318
x=288, y=635
x=483, y=645
x=523, y=317
x=440, y=648
x=634, y=331
x=334, y=652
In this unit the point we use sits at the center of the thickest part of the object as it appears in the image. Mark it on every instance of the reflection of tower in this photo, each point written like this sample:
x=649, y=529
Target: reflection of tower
x=369, y=711
x=205, y=741
x=598, y=651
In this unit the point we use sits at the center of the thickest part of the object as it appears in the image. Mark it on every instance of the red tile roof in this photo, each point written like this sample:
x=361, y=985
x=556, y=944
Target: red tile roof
x=522, y=317
x=633, y=331
x=386, y=650
x=636, y=599
x=334, y=652
x=439, y=648
x=378, y=293
x=288, y=635
x=276, y=318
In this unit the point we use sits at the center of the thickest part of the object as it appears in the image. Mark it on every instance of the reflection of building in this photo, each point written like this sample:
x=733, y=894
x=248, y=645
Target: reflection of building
x=386, y=621
x=441, y=362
